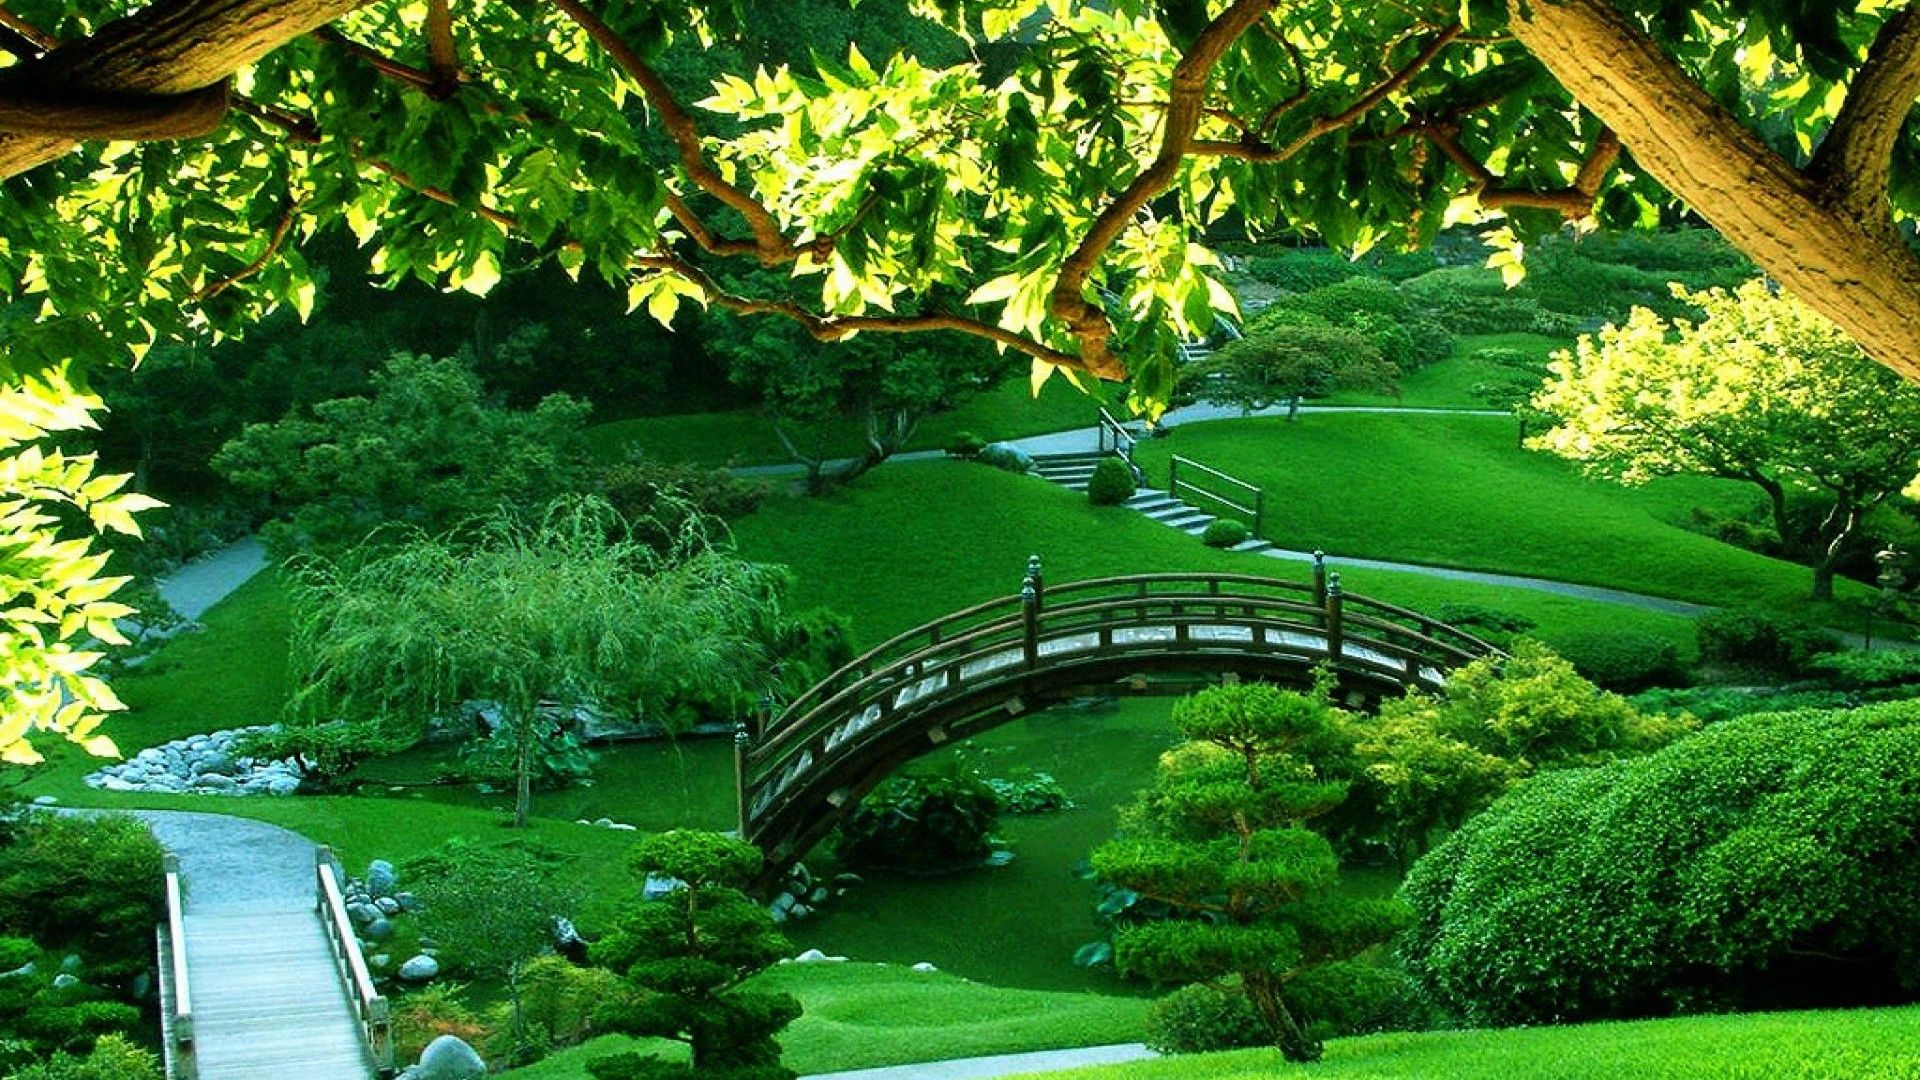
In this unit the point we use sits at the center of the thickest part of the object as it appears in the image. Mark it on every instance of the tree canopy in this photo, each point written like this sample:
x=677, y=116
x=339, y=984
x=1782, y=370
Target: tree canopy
x=1762, y=390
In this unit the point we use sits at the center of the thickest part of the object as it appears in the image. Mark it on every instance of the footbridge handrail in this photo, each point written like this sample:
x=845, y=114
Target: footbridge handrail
x=369, y=1005
x=181, y=1020
x=1085, y=626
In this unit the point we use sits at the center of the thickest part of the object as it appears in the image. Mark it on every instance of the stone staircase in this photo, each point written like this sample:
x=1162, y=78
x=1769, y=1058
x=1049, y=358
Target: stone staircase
x=1073, y=471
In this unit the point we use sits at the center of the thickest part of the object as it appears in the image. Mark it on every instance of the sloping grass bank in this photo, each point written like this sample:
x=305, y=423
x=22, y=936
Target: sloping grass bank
x=1867, y=1044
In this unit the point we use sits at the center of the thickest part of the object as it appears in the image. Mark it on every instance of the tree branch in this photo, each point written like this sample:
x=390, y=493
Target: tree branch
x=35, y=36
x=1574, y=202
x=173, y=47
x=1853, y=159
x=770, y=243
x=441, y=60
x=279, y=237
x=1186, y=102
x=379, y=61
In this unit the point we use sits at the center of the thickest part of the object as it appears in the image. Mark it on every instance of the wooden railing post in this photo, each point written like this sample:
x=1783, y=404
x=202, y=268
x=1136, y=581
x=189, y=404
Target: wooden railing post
x=742, y=740
x=1030, y=611
x=1259, y=513
x=1173, y=475
x=1038, y=580
x=1320, y=578
x=1336, y=630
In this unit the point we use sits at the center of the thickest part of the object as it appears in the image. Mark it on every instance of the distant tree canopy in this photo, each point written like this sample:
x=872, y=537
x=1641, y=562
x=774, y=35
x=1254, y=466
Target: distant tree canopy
x=1762, y=390
x=1280, y=364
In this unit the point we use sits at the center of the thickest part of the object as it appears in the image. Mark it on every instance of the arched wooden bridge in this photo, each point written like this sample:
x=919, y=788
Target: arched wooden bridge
x=801, y=772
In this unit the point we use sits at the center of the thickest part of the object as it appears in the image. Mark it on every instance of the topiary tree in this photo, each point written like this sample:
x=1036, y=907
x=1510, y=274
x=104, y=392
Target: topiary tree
x=682, y=959
x=1281, y=362
x=1764, y=862
x=1220, y=838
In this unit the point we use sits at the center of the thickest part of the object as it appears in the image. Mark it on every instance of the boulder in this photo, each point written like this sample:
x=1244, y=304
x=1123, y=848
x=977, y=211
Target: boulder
x=924, y=966
x=388, y=905
x=419, y=968
x=381, y=878
x=362, y=913
x=378, y=930
x=215, y=782
x=64, y=981
x=815, y=956
x=449, y=1058
x=408, y=902
x=283, y=785
x=45, y=800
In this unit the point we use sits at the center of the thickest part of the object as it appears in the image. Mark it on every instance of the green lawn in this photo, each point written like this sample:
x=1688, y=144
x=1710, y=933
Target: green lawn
x=745, y=438
x=1455, y=491
x=1449, y=384
x=864, y=1015
x=1867, y=1044
x=915, y=540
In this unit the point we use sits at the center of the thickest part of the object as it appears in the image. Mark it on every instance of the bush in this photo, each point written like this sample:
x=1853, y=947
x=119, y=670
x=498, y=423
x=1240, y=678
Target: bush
x=1867, y=670
x=1225, y=533
x=83, y=885
x=1200, y=1019
x=557, y=757
x=1766, y=862
x=922, y=823
x=965, y=444
x=558, y=998
x=1112, y=483
x=1756, y=639
x=1386, y=314
x=669, y=493
x=1713, y=704
x=1029, y=793
x=113, y=1057
x=327, y=752
x=423, y=1015
x=1304, y=271
x=1359, y=997
x=1624, y=661
x=1490, y=624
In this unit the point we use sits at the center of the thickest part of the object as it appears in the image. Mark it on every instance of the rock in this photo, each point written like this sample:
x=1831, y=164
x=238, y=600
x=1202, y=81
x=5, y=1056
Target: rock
x=408, y=902
x=213, y=761
x=818, y=896
x=379, y=961
x=388, y=905
x=779, y=915
x=378, y=930
x=114, y=783
x=924, y=966
x=20, y=972
x=657, y=886
x=815, y=956
x=449, y=1058
x=381, y=878
x=604, y=823
x=620, y=826
x=420, y=968
x=70, y=963
x=283, y=785
x=215, y=782
x=45, y=800
x=799, y=911
x=362, y=912
x=783, y=902
x=65, y=981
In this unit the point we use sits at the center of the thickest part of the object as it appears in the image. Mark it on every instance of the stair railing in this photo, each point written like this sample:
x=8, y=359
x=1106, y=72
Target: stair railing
x=1238, y=496
x=1116, y=439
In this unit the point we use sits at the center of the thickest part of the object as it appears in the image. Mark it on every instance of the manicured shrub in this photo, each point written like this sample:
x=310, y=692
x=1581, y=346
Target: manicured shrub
x=922, y=824
x=1388, y=315
x=1765, y=862
x=1304, y=270
x=327, y=752
x=1756, y=639
x=556, y=759
x=558, y=998
x=56, y=1020
x=1200, y=1019
x=1112, y=483
x=1624, y=660
x=965, y=444
x=1225, y=533
x=666, y=494
x=1029, y=793
x=1712, y=704
x=83, y=885
x=1361, y=997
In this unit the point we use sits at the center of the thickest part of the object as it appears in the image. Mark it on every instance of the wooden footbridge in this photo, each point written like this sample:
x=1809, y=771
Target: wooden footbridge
x=801, y=772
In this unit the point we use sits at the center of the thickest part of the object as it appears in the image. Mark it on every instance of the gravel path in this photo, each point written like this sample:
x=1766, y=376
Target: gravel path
x=236, y=865
x=980, y=1068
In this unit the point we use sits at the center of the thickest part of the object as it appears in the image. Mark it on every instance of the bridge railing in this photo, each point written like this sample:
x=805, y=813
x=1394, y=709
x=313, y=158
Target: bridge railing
x=173, y=935
x=369, y=1005
x=1152, y=613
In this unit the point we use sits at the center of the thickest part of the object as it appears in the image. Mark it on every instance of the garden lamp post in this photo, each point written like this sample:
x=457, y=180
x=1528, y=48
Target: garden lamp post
x=1890, y=579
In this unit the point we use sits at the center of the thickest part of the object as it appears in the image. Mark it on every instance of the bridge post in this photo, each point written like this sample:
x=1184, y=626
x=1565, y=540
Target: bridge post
x=763, y=717
x=1030, y=619
x=1037, y=579
x=1336, y=629
x=741, y=740
x=1320, y=578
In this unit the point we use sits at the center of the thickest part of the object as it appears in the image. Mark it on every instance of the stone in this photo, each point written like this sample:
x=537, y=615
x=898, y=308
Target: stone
x=408, y=902
x=799, y=911
x=378, y=930
x=658, y=886
x=20, y=972
x=815, y=956
x=70, y=963
x=214, y=761
x=449, y=1058
x=65, y=981
x=215, y=782
x=46, y=800
x=381, y=878
x=818, y=896
x=604, y=823
x=779, y=915
x=379, y=961
x=419, y=968
x=924, y=966
x=621, y=826
x=362, y=913
x=283, y=785
x=388, y=905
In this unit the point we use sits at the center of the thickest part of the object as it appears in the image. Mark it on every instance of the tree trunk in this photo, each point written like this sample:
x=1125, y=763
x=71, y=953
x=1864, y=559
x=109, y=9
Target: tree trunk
x=1293, y=409
x=1841, y=526
x=1288, y=1033
x=881, y=444
x=523, y=769
x=155, y=74
x=815, y=466
x=1777, y=507
x=1827, y=240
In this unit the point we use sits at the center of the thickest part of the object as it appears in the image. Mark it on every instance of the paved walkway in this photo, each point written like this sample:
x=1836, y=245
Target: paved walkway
x=267, y=999
x=980, y=1068
x=204, y=582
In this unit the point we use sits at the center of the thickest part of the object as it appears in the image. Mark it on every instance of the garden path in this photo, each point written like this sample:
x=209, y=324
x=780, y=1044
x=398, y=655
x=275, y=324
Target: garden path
x=981, y=1068
x=268, y=1000
x=204, y=582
